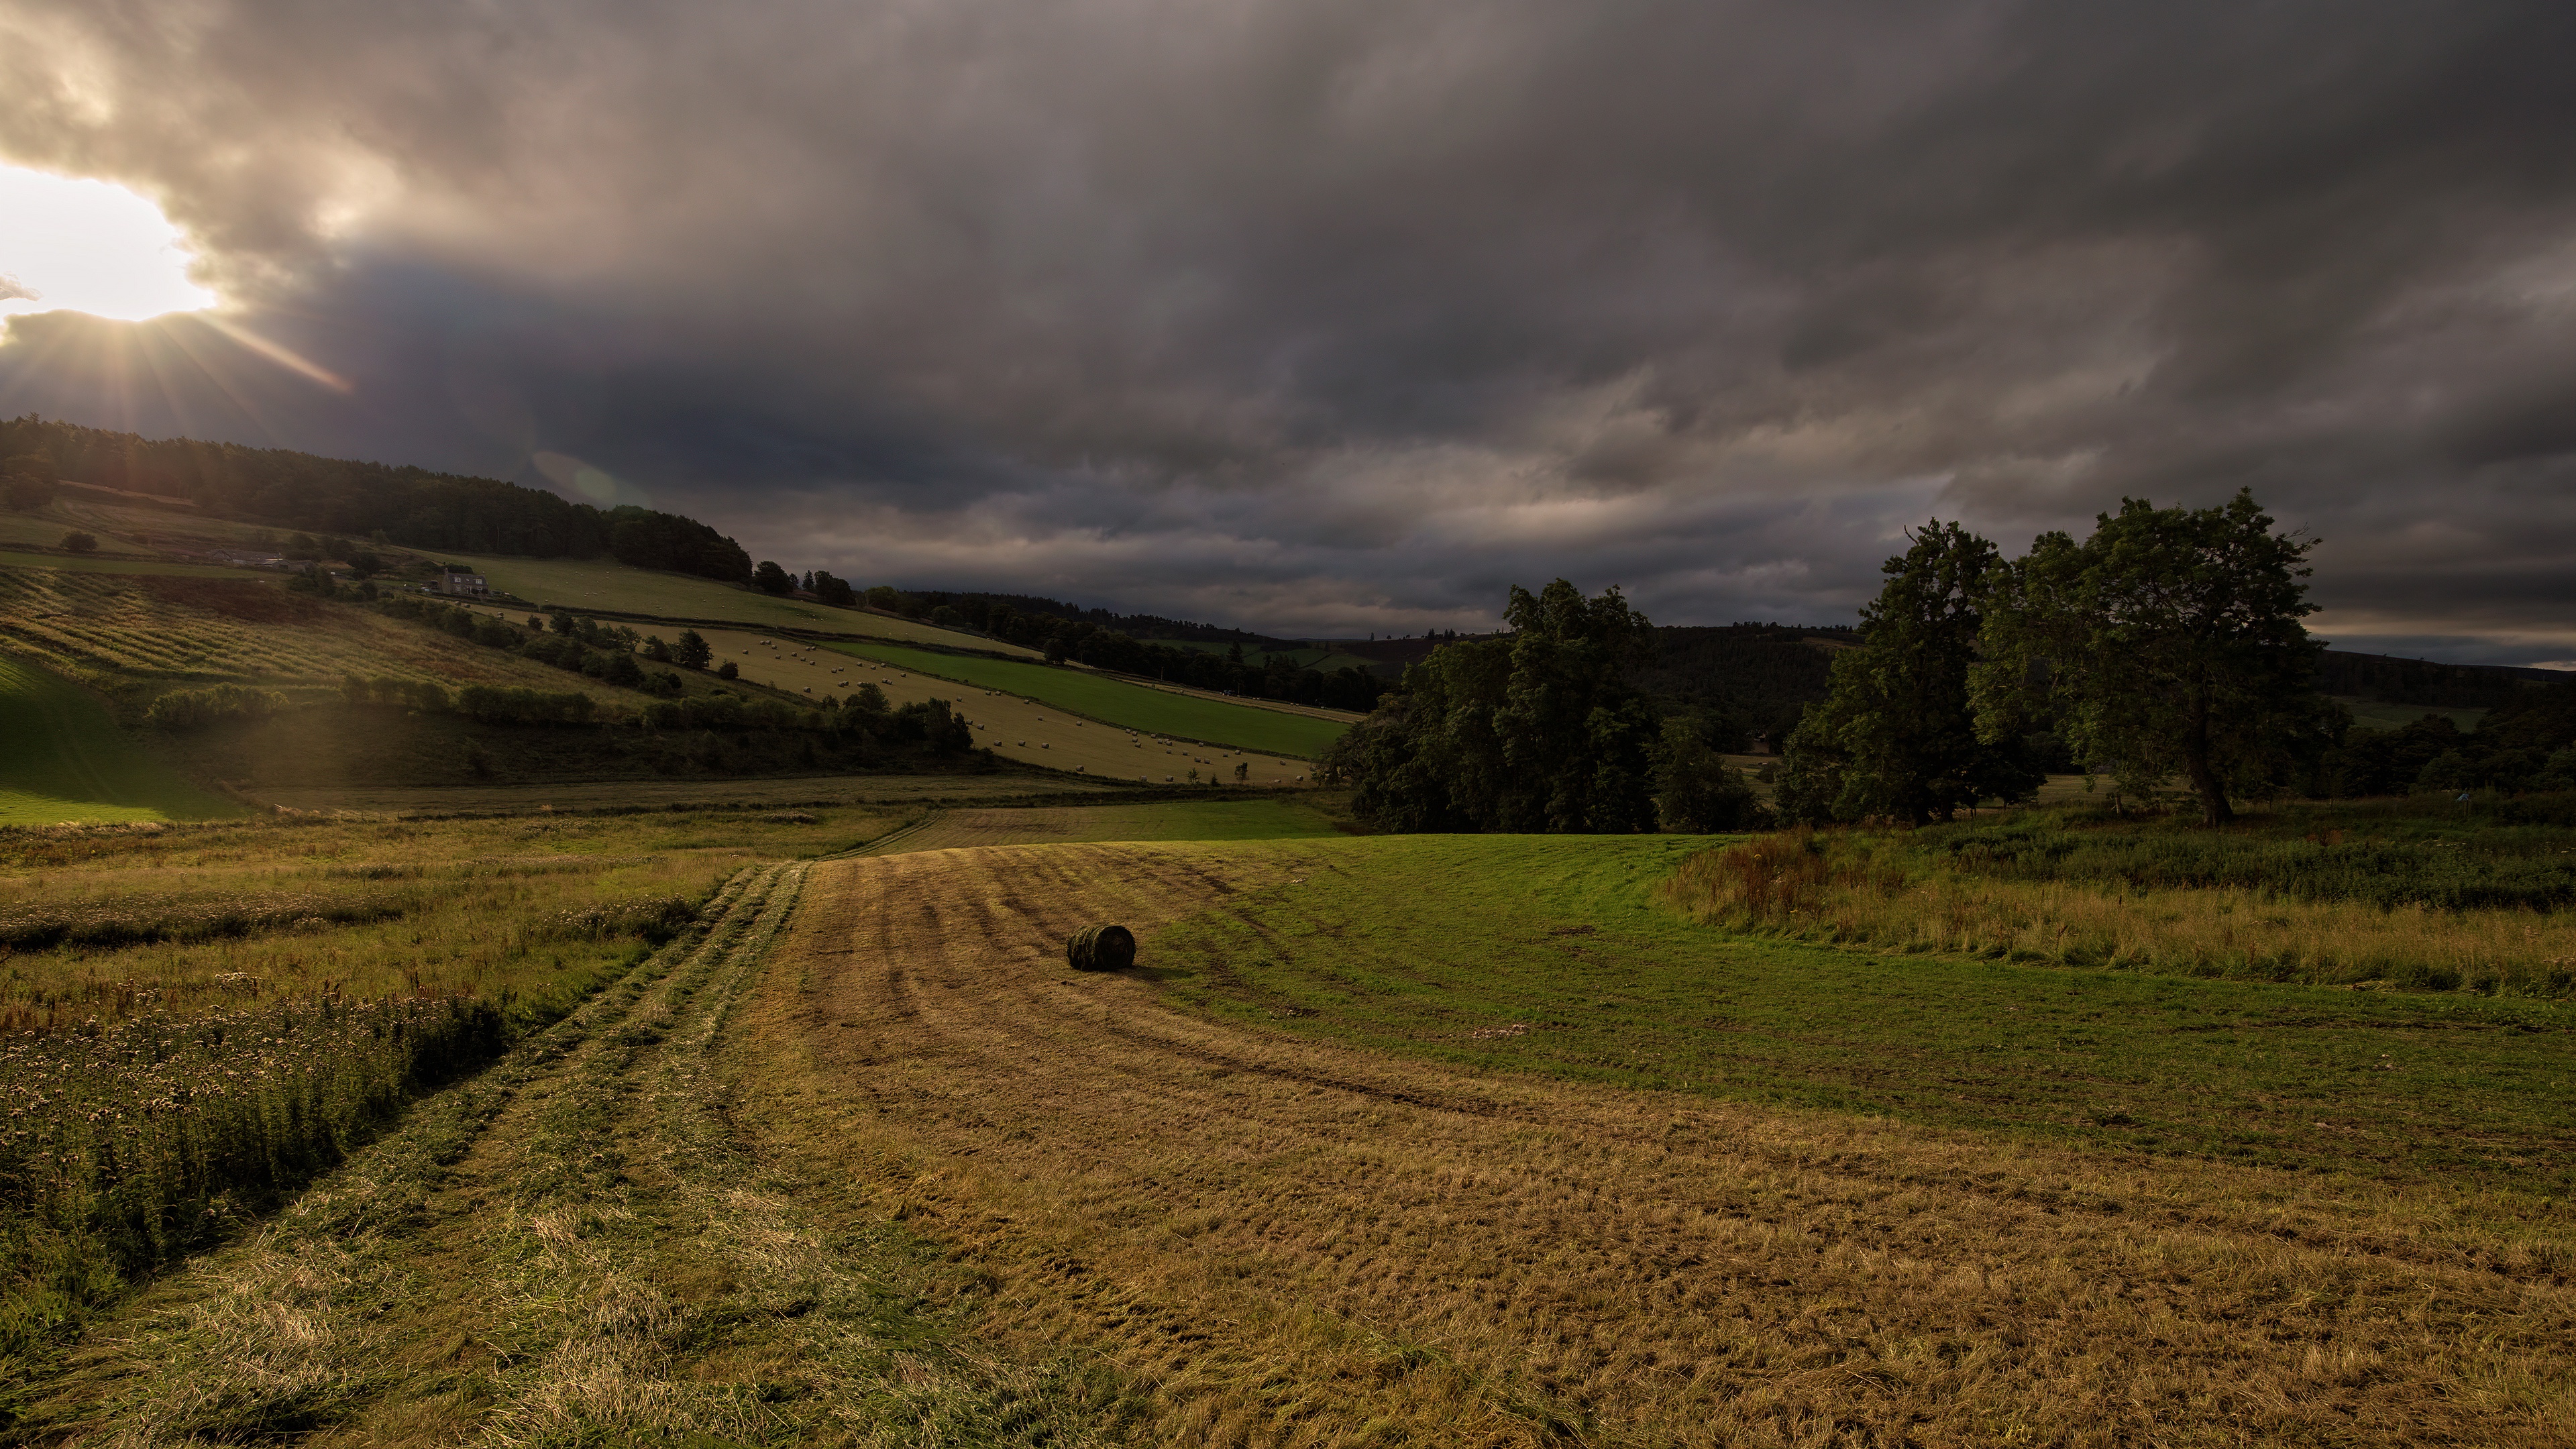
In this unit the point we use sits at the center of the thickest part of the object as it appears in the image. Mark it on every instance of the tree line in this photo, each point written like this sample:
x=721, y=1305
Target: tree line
x=2167, y=646
x=440, y=512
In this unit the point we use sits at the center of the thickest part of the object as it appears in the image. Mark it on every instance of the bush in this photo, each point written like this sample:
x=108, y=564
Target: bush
x=193, y=709
x=487, y=705
x=79, y=542
x=27, y=492
x=1696, y=791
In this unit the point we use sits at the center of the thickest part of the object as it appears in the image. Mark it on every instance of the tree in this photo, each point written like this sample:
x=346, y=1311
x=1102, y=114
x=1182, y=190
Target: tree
x=728, y=670
x=691, y=652
x=833, y=591
x=1895, y=737
x=1696, y=791
x=769, y=578
x=2169, y=643
x=365, y=564
x=1535, y=732
x=79, y=542
x=28, y=480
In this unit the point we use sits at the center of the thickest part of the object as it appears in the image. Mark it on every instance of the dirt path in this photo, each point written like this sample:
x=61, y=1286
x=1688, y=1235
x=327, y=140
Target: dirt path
x=1283, y=1242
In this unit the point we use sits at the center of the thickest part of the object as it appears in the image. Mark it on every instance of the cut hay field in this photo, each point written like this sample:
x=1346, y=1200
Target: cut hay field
x=196, y=1018
x=1386, y=1140
x=187, y=629
x=1179, y=716
x=65, y=759
x=578, y=585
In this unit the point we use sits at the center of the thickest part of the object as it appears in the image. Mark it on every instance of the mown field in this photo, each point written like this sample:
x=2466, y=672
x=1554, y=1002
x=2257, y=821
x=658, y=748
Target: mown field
x=66, y=759
x=1114, y=701
x=1400, y=1139
x=196, y=1018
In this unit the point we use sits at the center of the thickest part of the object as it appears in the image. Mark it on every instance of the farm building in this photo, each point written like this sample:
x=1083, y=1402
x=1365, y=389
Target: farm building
x=463, y=586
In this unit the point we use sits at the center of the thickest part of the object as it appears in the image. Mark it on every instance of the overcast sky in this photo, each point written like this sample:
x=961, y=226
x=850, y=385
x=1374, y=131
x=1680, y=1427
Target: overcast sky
x=1340, y=317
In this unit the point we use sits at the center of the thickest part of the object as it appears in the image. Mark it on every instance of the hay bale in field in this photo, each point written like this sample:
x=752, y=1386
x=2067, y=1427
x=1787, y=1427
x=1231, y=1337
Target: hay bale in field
x=1101, y=948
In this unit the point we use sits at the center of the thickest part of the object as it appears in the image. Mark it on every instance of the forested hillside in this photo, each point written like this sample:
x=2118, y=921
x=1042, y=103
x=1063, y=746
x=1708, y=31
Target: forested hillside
x=359, y=500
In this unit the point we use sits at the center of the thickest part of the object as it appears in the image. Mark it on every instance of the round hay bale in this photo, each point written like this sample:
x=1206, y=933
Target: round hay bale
x=1101, y=948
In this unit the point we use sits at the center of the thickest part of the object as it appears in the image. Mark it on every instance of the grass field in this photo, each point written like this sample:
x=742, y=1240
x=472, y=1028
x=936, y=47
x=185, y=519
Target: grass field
x=774, y=792
x=2411, y=893
x=251, y=630
x=589, y=584
x=1385, y=1140
x=65, y=759
x=1114, y=701
x=1068, y=824
x=67, y=563
x=194, y=1018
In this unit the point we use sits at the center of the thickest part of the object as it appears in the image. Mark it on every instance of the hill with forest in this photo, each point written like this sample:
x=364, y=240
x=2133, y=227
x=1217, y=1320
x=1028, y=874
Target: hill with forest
x=351, y=499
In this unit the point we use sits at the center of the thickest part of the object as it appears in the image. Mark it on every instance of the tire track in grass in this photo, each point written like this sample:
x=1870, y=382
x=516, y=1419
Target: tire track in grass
x=573, y=1248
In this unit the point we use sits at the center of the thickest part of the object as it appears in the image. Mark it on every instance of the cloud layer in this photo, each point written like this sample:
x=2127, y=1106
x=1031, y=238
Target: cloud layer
x=1341, y=316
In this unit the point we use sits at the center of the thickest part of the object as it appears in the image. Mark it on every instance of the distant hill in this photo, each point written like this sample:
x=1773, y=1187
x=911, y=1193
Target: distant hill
x=976, y=606
x=350, y=499
x=2386, y=679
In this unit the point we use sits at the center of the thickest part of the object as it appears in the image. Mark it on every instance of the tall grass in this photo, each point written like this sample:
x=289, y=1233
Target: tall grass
x=196, y=1019
x=123, y=1145
x=2403, y=898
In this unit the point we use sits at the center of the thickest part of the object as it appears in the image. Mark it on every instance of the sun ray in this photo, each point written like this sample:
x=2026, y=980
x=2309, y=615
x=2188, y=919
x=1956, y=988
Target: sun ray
x=279, y=353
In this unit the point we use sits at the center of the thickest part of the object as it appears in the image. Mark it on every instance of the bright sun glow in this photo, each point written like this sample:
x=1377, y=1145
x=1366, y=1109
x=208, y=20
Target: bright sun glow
x=87, y=246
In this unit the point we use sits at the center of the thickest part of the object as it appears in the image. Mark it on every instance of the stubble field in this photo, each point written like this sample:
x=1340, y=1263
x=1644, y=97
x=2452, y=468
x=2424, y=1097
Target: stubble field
x=1395, y=1140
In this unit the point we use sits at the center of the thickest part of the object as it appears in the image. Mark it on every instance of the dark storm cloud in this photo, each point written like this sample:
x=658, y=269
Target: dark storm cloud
x=1346, y=315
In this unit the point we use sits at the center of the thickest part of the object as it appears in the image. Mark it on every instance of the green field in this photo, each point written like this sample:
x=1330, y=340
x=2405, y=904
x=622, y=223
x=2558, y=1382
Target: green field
x=1262, y=819
x=577, y=585
x=1117, y=702
x=67, y=760
x=1548, y=955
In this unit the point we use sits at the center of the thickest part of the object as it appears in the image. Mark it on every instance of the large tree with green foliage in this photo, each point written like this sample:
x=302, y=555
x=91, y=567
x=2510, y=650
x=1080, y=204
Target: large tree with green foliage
x=2168, y=643
x=1895, y=737
x=1536, y=731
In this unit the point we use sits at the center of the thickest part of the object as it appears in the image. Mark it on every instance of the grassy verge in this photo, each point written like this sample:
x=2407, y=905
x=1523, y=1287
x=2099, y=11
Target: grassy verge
x=1114, y=701
x=1552, y=956
x=65, y=759
x=2420, y=894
